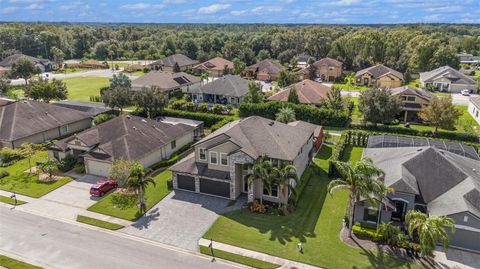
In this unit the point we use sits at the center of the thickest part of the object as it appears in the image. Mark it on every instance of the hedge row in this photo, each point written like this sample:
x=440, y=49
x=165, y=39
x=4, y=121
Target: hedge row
x=356, y=138
x=176, y=156
x=337, y=154
x=312, y=114
x=363, y=232
x=414, y=132
x=208, y=119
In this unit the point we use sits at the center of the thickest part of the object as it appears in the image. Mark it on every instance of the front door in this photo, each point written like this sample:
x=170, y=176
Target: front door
x=365, y=81
x=399, y=214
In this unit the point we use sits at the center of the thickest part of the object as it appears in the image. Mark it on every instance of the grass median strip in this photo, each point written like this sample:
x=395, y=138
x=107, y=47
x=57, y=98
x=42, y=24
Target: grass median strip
x=238, y=258
x=10, y=263
x=99, y=223
x=10, y=201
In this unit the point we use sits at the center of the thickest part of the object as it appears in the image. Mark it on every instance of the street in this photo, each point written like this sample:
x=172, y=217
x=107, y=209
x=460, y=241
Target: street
x=55, y=244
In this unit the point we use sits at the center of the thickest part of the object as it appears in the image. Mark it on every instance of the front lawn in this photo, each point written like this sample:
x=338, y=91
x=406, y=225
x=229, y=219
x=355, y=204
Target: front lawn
x=10, y=263
x=251, y=262
x=153, y=195
x=25, y=183
x=99, y=223
x=10, y=201
x=349, y=87
x=316, y=224
x=81, y=88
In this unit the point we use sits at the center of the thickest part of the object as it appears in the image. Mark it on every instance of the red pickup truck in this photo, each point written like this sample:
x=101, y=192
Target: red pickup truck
x=103, y=186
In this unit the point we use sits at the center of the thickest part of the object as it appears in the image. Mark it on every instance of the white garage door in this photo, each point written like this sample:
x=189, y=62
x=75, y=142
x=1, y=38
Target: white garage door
x=97, y=168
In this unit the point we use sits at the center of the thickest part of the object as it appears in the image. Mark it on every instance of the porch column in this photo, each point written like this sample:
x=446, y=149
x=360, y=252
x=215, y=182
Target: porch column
x=406, y=116
x=250, y=192
x=214, y=98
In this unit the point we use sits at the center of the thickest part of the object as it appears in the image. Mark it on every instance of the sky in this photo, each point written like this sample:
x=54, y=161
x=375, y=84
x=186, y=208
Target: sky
x=244, y=11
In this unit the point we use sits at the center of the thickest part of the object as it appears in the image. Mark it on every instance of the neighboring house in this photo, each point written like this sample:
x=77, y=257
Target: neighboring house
x=198, y=125
x=215, y=67
x=447, y=79
x=36, y=122
x=168, y=63
x=379, y=76
x=474, y=108
x=166, y=81
x=303, y=59
x=432, y=180
x=328, y=69
x=467, y=58
x=91, y=108
x=229, y=89
x=126, y=137
x=45, y=65
x=223, y=159
x=309, y=92
x=266, y=70
x=413, y=101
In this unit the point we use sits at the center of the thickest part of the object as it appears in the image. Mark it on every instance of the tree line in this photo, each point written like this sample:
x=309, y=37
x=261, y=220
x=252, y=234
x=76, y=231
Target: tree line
x=406, y=48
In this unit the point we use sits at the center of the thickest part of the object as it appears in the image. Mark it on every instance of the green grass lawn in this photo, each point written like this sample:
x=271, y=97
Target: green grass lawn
x=414, y=83
x=441, y=94
x=348, y=87
x=10, y=263
x=26, y=183
x=316, y=223
x=99, y=223
x=136, y=73
x=153, y=195
x=10, y=201
x=251, y=262
x=81, y=88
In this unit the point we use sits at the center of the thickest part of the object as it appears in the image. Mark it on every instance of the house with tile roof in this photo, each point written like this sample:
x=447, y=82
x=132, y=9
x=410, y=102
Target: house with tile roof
x=166, y=81
x=266, y=70
x=215, y=67
x=327, y=69
x=413, y=101
x=434, y=181
x=36, y=122
x=229, y=89
x=309, y=92
x=379, y=76
x=167, y=64
x=125, y=137
x=221, y=161
x=447, y=79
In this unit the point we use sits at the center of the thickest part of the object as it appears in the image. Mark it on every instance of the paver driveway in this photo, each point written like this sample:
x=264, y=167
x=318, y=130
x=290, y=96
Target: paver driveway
x=182, y=218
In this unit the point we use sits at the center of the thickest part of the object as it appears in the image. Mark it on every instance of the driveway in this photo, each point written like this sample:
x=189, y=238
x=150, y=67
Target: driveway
x=182, y=218
x=455, y=258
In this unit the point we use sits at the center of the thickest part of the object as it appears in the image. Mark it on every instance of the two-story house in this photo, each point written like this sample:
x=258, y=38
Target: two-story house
x=327, y=69
x=379, y=76
x=413, y=100
x=222, y=160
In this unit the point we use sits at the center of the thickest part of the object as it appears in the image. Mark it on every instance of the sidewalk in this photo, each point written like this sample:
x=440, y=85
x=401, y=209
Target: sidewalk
x=56, y=210
x=284, y=263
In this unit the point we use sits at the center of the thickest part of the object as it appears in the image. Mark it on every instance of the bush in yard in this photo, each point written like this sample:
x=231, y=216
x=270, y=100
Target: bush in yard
x=217, y=109
x=366, y=233
x=390, y=234
x=189, y=106
x=9, y=156
x=207, y=118
x=68, y=163
x=124, y=201
x=79, y=168
x=102, y=118
x=4, y=174
x=257, y=207
x=202, y=107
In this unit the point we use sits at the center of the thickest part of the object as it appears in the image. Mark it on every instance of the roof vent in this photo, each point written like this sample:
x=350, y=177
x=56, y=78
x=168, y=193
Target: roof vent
x=134, y=128
x=128, y=117
x=144, y=120
x=419, y=149
x=271, y=123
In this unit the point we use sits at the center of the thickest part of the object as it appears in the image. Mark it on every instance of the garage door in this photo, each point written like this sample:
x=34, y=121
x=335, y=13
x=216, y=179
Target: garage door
x=97, y=168
x=186, y=182
x=215, y=187
x=465, y=239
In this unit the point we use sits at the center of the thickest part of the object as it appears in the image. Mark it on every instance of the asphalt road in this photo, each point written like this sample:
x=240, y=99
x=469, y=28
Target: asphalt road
x=55, y=244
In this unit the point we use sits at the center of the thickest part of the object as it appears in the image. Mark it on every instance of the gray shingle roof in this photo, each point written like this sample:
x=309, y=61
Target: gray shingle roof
x=26, y=118
x=190, y=166
x=170, y=61
x=446, y=181
x=413, y=91
x=256, y=136
x=164, y=80
x=8, y=61
x=475, y=101
x=228, y=85
x=89, y=107
x=448, y=72
x=379, y=70
x=129, y=137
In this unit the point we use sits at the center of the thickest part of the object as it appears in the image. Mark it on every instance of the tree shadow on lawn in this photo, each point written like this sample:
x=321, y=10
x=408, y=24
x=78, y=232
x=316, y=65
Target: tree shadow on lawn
x=380, y=258
x=299, y=224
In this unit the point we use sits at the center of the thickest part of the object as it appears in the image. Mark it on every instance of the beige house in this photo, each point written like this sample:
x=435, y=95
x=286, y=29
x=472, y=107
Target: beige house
x=215, y=67
x=328, y=69
x=474, y=108
x=168, y=63
x=222, y=160
x=413, y=101
x=266, y=70
x=126, y=137
x=36, y=122
x=379, y=76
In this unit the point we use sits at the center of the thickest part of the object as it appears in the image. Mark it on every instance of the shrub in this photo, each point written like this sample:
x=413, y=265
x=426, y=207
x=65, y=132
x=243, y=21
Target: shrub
x=208, y=119
x=96, y=99
x=189, y=106
x=79, y=168
x=124, y=201
x=217, y=109
x=337, y=155
x=68, y=163
x=366, y=233
x=8, y=155
x=99, y=119
x=256, y=207
x=321, y=116
x=4, y=174
x=202, y=107
x=390, y=234
x=173, y=158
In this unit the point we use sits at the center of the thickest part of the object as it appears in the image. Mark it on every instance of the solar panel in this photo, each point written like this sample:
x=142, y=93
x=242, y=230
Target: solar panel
x=180, y=80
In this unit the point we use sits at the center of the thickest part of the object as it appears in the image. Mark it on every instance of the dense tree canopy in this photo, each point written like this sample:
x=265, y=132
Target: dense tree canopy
x=403, y=47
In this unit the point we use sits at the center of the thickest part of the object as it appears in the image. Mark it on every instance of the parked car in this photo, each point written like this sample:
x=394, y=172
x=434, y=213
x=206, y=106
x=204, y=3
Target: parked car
x=103, y=186
x=466, y=92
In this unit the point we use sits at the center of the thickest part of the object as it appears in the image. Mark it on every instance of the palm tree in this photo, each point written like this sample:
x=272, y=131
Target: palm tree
x=203, y=76
x=360, y=179
x=283, y=178
x=285, y=115
x=261, y=171
x=430, y=230
x=138, y=182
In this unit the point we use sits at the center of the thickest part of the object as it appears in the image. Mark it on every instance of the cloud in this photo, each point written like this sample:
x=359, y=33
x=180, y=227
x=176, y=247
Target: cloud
x=213, y=8
x=142, y=6
x=7, y=10
x=34, y=7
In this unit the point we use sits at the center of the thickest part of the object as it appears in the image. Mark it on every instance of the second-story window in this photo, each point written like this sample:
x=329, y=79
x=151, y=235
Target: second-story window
x=174, y=144
x=223, y=159
x=202, y=154
x=213, y=157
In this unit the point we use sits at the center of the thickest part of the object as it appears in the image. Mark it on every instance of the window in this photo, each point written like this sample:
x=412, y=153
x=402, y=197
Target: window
x=64, y=129
x=465, y=218
x=274, y=191
x=174, y=144
x=202, y=154
x=409, y=98
x=370, y=214
x=223, y=159
x=213, y=157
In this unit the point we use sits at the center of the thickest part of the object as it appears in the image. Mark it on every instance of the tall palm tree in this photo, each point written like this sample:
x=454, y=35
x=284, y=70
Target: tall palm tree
x=284, y=178
x=430, y=230
x=361, y=179
x=138, y=182
x=261, y=171
x=203, y=76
